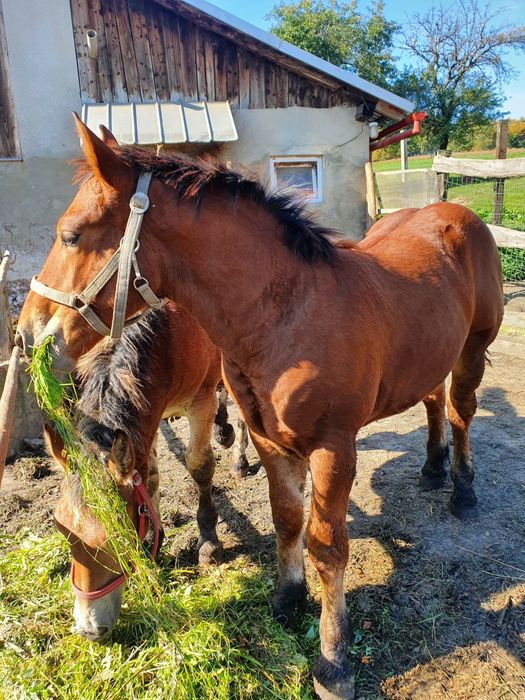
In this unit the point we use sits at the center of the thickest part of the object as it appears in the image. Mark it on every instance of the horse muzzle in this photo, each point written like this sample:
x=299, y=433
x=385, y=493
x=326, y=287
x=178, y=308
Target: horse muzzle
x=96, y=619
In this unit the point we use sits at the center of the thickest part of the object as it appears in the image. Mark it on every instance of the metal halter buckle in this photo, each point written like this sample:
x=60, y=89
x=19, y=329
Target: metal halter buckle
x=139, y=201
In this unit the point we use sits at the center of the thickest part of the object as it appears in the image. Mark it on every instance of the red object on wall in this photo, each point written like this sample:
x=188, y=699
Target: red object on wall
x=391, y=134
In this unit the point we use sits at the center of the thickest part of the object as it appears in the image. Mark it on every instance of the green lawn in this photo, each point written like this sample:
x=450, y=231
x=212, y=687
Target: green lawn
x=426, y=161
x=478, y=196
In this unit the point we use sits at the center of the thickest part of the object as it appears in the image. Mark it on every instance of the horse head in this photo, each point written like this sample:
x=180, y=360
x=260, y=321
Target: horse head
x=87, y=236
x=96, y=577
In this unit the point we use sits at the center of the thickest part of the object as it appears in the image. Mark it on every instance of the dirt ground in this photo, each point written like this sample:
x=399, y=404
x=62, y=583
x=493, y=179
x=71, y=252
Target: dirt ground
x=439, y=604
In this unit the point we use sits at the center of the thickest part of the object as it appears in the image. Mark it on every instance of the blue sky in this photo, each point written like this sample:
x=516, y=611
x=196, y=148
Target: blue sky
x=512, y=11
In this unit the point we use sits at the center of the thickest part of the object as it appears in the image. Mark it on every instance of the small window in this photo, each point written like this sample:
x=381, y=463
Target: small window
x=301, y=173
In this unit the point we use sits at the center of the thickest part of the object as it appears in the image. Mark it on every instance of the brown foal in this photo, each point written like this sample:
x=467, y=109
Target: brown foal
x=165, y=365
x=317, y=340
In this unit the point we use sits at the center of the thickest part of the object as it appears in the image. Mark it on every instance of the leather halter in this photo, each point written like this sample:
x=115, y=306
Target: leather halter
x=146, y=511
x=120, y=262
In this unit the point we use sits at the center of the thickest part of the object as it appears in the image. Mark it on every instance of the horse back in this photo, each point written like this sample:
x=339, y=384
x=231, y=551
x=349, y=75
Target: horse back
x=449, y=244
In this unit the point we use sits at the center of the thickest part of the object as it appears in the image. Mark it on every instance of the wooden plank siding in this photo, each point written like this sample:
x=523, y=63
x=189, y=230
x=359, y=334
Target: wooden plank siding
x=9, y=143
x=148, y=52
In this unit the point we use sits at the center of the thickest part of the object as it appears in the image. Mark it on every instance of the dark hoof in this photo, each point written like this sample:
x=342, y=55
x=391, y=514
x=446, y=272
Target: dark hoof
x=333, y=682
x=286, y=602
x=431, y=483
x=463, y=511
x=224, y=435
x=240, y=469
x=210, y=553
x=463, y=504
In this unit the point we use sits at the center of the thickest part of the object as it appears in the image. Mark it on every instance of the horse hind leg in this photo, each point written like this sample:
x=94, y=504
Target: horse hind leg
x=461, y=403
x=239, y=461
x=200, y=462
x=434, y=471
x=223, y=431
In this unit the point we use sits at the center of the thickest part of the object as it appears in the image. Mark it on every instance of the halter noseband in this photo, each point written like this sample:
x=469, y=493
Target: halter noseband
x=120, y=262
x=145, y=511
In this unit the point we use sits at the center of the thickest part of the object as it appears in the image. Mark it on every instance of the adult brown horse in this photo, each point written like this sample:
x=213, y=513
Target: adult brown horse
x=165, y=365
x=317, y=340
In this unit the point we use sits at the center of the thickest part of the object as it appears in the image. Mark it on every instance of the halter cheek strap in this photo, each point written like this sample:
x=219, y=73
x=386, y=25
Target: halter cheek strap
x=121, y=262
x=146, y=512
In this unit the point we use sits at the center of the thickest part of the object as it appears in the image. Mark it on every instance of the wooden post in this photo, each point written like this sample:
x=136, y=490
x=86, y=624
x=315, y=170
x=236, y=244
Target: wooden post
x=443, y=177
x=404, y=166
x=7, y=406
x=502, y=131
x=6, y=325
x=404, y=154
x=370, y=194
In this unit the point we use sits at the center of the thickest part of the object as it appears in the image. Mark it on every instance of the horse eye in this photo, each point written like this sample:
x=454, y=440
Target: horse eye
x=70, y=238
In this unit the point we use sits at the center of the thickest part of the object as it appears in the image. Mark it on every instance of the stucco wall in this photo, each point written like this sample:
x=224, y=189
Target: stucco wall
x=331, y=133
x=45, y=89
x=44, y=79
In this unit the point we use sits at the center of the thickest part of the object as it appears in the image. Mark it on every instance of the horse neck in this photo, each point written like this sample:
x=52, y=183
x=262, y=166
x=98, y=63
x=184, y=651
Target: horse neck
x=229, y=267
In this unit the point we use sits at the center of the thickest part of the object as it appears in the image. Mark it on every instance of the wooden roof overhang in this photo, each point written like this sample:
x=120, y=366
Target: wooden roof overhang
x=372, y=101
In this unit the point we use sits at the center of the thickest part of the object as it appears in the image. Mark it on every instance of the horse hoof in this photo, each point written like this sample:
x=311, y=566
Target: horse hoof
x=210, y=553
x=239, y=470
x=224, y=435
x=286, y=601
x=431, y=483
x=332, y=682
x=463, y=511
x=463, y=502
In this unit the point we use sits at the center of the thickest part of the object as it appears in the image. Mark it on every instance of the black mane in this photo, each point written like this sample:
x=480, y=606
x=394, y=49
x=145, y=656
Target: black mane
x=191, y=177
x=111, y=378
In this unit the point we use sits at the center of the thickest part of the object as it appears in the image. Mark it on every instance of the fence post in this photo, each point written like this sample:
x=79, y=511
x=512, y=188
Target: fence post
x=370, y=194
x=502, y=130
x=6, y=325
x=443, y=179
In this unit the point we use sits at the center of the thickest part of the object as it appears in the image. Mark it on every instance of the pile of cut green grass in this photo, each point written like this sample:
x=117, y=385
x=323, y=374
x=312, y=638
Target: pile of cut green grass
x=221, y=642
x=99, y=491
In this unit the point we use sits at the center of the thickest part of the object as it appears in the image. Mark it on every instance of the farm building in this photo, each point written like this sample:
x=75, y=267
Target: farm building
x=175, y=73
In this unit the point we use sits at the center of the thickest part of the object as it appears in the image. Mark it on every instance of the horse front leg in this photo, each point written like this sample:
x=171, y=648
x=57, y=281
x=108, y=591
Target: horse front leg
x=333, y=469
x=286, y=477
x=154, y=491
x=200, y=462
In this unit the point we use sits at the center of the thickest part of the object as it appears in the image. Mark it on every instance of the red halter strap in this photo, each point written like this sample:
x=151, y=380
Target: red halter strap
x=146, y=512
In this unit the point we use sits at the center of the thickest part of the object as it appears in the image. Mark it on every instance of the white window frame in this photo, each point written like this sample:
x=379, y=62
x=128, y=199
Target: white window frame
x=317, y=197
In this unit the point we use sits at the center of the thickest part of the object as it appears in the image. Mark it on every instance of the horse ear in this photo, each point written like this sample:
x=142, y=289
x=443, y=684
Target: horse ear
x=107, y=137
x=55, y=445
x=121, y=462
x=103, y=161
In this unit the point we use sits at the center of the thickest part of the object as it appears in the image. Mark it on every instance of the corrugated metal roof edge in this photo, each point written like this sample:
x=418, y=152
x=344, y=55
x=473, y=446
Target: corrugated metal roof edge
x=351, y=79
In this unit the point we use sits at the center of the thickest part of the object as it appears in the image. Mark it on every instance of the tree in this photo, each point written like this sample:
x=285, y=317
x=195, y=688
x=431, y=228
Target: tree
x=457, y=67
x=517, y=133
x=337, y=32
